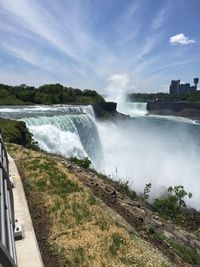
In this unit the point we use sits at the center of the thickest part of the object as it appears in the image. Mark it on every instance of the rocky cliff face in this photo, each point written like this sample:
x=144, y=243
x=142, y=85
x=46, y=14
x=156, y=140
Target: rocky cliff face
x=108, y=111
x=101, y=109
x=184, y=109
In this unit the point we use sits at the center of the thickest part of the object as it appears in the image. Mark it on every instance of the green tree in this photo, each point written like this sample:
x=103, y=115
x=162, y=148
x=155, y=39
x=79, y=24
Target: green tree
x=171, y=205
x=147, y=191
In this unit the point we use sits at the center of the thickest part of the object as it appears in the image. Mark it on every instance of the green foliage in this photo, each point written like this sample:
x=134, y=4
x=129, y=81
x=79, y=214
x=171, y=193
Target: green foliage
x=189, y=255
x=47, y=94
x=81, y=212
x=79, y=256
x=15, y=132
x=171, y=205
x=117, y=242
x=147, y=191
x=143, y=97
x=120, y=185
x=92, y=200
x=152, y=229
x=84, y=163
x=123, y=188
x=102, y=223
x=58, y=183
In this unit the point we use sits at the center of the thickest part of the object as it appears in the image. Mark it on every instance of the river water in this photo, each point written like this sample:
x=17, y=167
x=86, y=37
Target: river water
x=162, y=150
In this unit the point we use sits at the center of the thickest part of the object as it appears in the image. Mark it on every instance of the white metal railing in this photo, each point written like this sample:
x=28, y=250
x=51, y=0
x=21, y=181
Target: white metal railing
x=8, y=257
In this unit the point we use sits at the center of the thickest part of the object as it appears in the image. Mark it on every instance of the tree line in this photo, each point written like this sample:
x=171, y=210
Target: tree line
x=47, y=94
x=144, y=97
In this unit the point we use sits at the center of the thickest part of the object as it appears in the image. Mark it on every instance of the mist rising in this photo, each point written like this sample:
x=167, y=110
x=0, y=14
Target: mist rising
x=160, y=151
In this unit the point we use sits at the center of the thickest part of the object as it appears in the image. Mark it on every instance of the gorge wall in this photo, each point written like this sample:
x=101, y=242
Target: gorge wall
x=101, y=109
x=181, y=108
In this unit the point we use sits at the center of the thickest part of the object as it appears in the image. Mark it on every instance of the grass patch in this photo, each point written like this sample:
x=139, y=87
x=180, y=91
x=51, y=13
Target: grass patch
x=41, y=184
x=120, y=185
x=53, y=179
x=78, y=225
x=189, y=255
x=79, y=256
x=102, y=223
x=81, y=212
x=84, y=163
x=92, y=200
x=117, y=242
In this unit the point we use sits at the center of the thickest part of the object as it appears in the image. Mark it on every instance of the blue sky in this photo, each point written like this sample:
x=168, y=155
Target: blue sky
x=139, y=45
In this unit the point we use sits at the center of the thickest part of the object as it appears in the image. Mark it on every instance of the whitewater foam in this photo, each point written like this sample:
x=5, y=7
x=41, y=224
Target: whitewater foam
x=63, y=129
x=53, y=140
x=163, y=152
x=133, y=109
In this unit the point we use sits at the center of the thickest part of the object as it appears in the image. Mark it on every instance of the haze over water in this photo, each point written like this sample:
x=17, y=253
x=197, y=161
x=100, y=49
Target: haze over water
x=162, y=150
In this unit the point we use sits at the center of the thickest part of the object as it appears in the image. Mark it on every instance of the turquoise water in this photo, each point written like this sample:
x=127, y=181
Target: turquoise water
x=162, y=150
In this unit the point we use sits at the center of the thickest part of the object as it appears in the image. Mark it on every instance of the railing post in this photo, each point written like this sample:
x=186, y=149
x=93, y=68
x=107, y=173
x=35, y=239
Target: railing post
x=8, y=257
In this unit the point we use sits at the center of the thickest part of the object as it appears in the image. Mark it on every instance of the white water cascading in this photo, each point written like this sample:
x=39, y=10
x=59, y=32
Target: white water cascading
x=73, y=134
x=70, y=131
x=133, y=109
x=146, y=149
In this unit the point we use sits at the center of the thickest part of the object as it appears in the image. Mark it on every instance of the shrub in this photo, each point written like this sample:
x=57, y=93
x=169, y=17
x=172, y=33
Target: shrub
x=84, y=163
x=147, y=191
x=171, y=205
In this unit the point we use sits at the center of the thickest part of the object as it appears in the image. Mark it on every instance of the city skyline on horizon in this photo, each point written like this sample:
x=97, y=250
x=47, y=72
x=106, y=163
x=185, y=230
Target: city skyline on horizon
x=136, y=46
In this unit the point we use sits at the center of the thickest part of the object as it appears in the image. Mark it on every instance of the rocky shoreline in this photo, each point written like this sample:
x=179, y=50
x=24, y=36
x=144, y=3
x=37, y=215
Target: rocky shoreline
x=185, y=109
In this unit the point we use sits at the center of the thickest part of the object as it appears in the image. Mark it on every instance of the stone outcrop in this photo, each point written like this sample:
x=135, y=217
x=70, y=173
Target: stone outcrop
x=105, y=107
x=180, y=108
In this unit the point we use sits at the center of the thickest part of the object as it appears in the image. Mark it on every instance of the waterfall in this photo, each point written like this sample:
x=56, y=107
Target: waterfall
x=68, y=135
x=41, y=110
x=62, y=129
x=134, y=109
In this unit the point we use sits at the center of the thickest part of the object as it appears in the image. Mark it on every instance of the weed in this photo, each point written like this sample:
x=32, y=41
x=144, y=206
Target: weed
x=92, y=200
x=152, y=229
x=187, y=254
x=41, y=184
x=117, y=242
x=84, y=163
x=79, y=256
x=102, y=223
x=130, y=260
x=170, y=206
x=147, y=191
x=62, y=186
x=81, y=212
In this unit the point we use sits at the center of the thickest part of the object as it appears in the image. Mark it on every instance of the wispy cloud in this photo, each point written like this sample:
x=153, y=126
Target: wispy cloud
x=83, y=42
x=180, y=39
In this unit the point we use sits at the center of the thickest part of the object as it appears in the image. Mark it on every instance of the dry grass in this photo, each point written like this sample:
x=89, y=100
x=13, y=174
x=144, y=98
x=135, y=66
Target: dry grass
x=81, y=231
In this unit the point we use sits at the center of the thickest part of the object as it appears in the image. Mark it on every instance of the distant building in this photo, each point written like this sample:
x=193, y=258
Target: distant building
x=182, y=88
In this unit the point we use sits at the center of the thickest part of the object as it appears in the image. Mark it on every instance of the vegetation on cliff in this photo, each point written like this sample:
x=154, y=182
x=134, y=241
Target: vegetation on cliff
x=85, y=212
x=47, y=94
x=81, y=229
x=144, y=97
x=15, y=132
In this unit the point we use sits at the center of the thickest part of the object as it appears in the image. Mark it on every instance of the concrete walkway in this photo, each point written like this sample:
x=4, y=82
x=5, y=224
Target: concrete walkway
x=28, y=254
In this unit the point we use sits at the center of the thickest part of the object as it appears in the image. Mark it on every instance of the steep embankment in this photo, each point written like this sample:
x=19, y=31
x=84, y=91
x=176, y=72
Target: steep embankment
x=83, y=231
x=85, y=212
x=73, y=227
x=15, y=132
x=177, y=108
